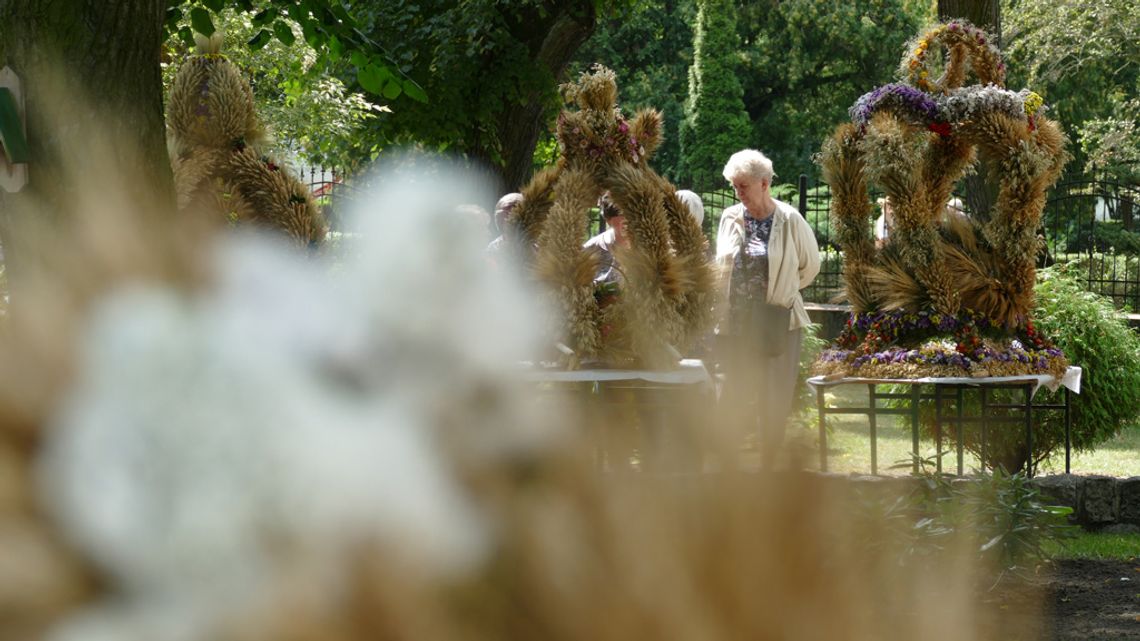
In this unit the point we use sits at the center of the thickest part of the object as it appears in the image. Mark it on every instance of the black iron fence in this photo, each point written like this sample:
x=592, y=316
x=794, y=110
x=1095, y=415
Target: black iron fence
x=1092, y=221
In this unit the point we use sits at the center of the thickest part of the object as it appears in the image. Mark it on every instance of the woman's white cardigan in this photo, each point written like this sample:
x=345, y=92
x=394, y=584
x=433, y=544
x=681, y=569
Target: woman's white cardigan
x=793, y=258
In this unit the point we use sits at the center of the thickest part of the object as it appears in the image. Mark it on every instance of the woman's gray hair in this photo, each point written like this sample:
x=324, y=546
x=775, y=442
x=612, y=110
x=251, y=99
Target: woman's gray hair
x=750, y=163
x=693, y=203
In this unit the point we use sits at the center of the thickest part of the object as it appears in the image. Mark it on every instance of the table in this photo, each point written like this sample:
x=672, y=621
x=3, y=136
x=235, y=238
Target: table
x=951, y=388
x=667, y=401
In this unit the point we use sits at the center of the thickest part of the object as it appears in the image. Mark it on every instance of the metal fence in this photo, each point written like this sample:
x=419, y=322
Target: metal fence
x=1092, y=221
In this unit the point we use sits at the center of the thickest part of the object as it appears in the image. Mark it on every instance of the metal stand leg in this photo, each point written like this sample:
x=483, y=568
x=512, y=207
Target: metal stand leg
x=914, y=396
x=1068, y=431
x=1028, y=390
x=961, y=440
x=985, y=416
x=822, y=429
x=874, y=429
x=938, y=428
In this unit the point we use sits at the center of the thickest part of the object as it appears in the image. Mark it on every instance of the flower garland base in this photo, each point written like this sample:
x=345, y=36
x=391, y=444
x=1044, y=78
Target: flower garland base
x=901, y=344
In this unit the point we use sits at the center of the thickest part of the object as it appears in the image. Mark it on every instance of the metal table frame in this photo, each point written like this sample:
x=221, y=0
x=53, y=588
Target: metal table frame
x=663, y=397
x=943, y=392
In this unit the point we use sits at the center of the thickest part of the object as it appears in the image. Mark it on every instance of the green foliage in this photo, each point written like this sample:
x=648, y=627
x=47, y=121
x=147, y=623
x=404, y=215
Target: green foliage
x=310, y=111
x=1009, y=515
x=490, y=66
x=1096, y=337
x=1110, y=236
x=1110, y=275
x=1082, y=57
x=804, y=62
x=1097, y=545
x=1002, y=517
x=716, y=123
x=326, y=26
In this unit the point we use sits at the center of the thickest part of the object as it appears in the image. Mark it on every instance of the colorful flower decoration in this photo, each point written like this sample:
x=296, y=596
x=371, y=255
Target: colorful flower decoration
x=985, y=58
x=969, y=344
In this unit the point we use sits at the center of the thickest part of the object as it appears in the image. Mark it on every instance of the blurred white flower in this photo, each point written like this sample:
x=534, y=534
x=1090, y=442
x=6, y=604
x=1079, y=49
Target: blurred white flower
x=291, y=406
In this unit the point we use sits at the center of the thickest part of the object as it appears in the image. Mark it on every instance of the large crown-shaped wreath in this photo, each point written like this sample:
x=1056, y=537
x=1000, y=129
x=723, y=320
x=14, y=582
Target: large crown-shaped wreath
x=665, y=299
x=945, y=295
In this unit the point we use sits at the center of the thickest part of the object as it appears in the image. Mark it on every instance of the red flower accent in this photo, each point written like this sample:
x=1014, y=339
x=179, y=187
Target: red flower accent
x=941, y=128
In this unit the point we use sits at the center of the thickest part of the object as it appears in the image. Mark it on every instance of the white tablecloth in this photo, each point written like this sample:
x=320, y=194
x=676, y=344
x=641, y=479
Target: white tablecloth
x=1070, y=380
x=690, y=371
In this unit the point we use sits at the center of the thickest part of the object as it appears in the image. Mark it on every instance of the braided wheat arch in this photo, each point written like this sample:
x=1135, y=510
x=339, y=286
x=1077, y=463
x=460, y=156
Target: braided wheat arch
x=666, y=297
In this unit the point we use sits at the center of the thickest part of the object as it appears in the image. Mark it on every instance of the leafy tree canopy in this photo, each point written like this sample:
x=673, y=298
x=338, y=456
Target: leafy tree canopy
x=806, y=61
x=327, y=26
x=1081, y=55
x=491, y=67
x=310, y=111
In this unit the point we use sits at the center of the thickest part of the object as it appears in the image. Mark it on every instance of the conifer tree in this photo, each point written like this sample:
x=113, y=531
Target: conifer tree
x=716, y=122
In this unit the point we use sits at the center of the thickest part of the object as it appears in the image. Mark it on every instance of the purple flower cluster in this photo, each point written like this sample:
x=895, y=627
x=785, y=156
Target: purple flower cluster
x=910, y=103
x=899, y=356
x=1035, y=360
x=901, y=322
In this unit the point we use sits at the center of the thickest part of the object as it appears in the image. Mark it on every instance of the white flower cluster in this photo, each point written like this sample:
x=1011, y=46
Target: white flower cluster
x=967, y=103
x=289, y=408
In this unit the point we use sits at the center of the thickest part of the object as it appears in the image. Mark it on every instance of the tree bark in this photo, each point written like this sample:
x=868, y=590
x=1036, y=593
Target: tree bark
x=90, y=68
x=980, y=195
x=552, y=43
x=982, y=13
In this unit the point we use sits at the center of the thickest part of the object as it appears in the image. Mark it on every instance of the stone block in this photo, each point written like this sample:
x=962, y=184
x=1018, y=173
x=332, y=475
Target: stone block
x=1098, y=500
x=1129, y=500
x=1059, y=489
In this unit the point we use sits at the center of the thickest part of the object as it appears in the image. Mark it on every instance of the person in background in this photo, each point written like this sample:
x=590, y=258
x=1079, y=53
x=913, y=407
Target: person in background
x=766, y=253
x=954, y=208
x=885, y=222
x=503, y=209
x=609, y=271
x=693, y=204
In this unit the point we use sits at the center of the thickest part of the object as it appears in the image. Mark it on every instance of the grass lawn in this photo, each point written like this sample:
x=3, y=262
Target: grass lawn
x=1094, y=545
x=849, y=448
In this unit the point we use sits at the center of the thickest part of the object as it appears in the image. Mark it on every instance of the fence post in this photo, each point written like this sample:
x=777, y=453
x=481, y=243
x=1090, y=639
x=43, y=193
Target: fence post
x=803, y=195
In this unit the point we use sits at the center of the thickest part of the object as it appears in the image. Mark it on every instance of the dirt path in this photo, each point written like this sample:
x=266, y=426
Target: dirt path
x=1093, y=600
x=1074, y=600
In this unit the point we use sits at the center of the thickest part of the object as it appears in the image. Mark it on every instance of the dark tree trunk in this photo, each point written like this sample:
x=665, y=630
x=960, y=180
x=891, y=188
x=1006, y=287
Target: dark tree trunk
x=980, y=195
x=552, y=42
x=87, y=67
x=982, y=13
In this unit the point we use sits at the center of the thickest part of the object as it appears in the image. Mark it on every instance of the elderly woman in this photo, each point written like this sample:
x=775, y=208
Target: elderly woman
x=766, y=253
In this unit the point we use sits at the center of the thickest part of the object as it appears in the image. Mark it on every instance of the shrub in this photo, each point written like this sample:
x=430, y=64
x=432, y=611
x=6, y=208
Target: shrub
x=1003, y=517
x=1095, y=336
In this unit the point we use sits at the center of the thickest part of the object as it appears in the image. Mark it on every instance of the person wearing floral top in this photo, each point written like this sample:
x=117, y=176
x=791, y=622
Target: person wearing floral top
x=766, y=253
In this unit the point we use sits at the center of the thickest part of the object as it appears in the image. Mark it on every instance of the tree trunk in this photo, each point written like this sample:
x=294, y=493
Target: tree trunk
x=552, y=46
x=982, y=13
x=980, y=195
x=87, y=67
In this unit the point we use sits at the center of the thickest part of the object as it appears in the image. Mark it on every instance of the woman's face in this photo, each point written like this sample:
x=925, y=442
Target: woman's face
x=752, y=192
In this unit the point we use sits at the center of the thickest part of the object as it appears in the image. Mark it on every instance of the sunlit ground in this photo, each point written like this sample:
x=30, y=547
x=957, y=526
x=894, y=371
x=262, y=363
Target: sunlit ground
x=849, y=444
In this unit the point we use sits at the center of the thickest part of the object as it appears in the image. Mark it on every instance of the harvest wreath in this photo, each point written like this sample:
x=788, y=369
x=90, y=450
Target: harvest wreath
x=944, y=295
